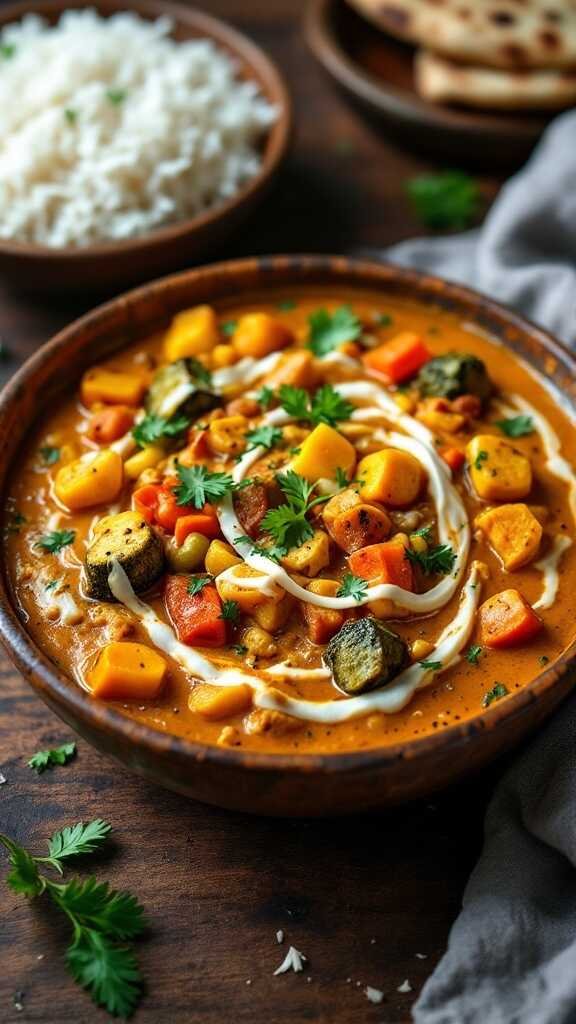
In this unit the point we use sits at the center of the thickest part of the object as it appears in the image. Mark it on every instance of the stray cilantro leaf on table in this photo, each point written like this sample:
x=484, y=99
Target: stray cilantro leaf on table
x=352, y=586
x=516, y=426
x=450, y=199
x=498, y=691
x=56, y=540
x=327, y=331
x=199, y=485
x=44, y=759
x=153, y=428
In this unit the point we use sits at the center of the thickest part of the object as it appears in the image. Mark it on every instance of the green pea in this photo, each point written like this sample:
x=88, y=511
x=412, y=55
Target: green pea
x=190, y=555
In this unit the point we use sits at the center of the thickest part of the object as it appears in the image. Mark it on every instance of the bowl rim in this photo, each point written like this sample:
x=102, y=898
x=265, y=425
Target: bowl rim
x=60, y=691
x=264, y=70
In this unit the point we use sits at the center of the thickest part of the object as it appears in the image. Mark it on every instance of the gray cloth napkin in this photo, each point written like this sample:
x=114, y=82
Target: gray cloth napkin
x=511, y=957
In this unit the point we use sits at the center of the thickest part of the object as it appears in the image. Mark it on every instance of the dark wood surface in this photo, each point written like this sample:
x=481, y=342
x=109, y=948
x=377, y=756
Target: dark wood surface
x=359, y=897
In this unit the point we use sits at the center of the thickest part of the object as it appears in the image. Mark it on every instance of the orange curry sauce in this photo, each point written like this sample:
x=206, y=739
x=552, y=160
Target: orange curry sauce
x=454, y=695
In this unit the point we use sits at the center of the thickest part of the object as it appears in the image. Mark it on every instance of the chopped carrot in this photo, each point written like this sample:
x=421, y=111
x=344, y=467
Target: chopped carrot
x=145, y=501
x=204, y=522
x=108, y=425
x=323, y=623
x=453, y=457
x=196, y=617
x=398, y=359
x=127, y=671
x=214, y=702
x=383, y=563
x=507, y=620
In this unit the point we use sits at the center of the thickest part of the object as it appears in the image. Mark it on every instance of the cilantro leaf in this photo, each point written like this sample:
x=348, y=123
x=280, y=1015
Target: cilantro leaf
x=197, y=583
x=287, y=525
x=239, y=649
x=327, y=331
x=43, y=759
x=199, y=371
x=516, y=426
x=49, y=455
x=94, y=904
x=473, y=654
x=55, y=541
x=326, y=406
x=116, y=96
x=431, y=666
x=424, y=531
x=230, y=611
x=439, y=559
x=71, y=115
x=24, y=877
x=450, y=199
x=294, y=401
x=352, y=586
x=199, y=485
x=480, y=458
x=228, y=327
x=77, y=840
x=258, y=549
x=153, y=428
x=109, y=972
x=498, y=691
x=263, y=437
x=341, y=477
x=265, y=397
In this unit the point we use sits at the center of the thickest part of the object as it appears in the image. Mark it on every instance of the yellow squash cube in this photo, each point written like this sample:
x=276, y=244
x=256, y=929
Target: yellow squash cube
x=127, y=671
x=259, y=334
x=101, y=385
x=90, y=480
x=498, y=471
x=274, y=612
x=220, y=556
x=247, y=598
x=227, y=436
x=391, y=476
x=215, y=702
x=322, y=453
x=191, y=333
x=312, y=556
x=146, y=458
x=513, y=532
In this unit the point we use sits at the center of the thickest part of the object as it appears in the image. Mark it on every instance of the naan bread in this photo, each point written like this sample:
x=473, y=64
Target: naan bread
x=439, y=80
x=499, y=33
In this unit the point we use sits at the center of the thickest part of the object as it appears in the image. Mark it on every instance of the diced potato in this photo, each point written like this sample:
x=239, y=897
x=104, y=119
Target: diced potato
x=90, y=480
x=146, y=458
x=232, y=590
x=215, y=702
x=310, y=557
x=224, y=355
x=392, y=476
x=322, y=453
x=434, y=414
x=498, y=471
x=274, y=612
x=127, y=671
x=101, y=385
x=191, y=333
x=220, y=556
x=226, y=436
x=259, y=334
x=513, y=532
x=259, y=642
x=297, y=369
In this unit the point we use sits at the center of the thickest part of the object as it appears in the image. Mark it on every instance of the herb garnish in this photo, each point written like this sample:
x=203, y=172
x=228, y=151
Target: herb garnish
x=341, y=478
x=286, y=304
x=49, y=455
x=480, y=458
x=71, y=115
x=264, y=397
x=287, y=524
x=199, y=485
x=153, y=428
x=228, y=327
x=423, y=531
x=7, y=50
x=431, y=666
x=116, y=96
x=198, y=370
x=473, y=654
x=543, y=659
x=498, y=691
x=328, y=331
x=197, y=583
x=263, y=437
x=440, y=559
x=446, y=200
x=239, y=649
x=516, y=426
x=258, y=549
x=43, y=759
x=383, y=319
x=352, y=586
x=52, y=584
x=326, y=405
x=230, y=611
x=16, y=521
x=55, y=541
x=103, y=919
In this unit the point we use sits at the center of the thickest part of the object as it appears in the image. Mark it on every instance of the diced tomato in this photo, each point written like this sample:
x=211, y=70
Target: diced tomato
x=383, y=563
x=507, y=620
x=196, y=617
x=453, y=457
x=399, y=359
x=157, y=503
x=145, y=501
x=204, y=522
x=167, y=511
x=110, y=424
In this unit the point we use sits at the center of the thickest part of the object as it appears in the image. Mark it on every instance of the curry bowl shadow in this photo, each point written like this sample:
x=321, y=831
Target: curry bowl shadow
x=272, y=784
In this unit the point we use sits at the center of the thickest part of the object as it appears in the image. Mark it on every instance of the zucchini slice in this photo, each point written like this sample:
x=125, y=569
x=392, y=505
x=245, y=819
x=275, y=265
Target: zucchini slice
x=364, y=655
x=177, y=389
x=129, y=539
x=454, y=374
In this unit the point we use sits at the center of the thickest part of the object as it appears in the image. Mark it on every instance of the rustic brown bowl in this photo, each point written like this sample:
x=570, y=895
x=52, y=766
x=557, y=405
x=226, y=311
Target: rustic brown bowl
x=301, y=784
x=376, y=71
x=111, y=265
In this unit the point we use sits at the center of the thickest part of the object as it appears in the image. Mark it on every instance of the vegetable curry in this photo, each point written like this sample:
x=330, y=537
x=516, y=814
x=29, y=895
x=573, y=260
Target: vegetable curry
x=315, y=522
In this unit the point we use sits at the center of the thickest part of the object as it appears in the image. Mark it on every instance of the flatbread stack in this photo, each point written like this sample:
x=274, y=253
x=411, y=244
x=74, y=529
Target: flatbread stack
x=503, y=54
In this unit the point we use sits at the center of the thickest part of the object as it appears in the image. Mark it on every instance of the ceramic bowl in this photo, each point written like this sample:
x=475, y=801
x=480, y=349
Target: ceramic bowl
x=110, y=265
x=274, y=784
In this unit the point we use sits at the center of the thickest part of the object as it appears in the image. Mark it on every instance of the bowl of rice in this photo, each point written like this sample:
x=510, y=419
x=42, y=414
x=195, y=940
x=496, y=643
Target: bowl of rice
x=134, y=137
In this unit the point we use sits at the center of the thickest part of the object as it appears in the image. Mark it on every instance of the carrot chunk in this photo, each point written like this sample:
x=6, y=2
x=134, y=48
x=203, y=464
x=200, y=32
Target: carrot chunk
x=507, y=620
x=398, y=359
x=108, y=425
x=323, y=623
x=383, y=563
x=204, y=522
x=453, y=457
x=196, y=617
x=127, y=671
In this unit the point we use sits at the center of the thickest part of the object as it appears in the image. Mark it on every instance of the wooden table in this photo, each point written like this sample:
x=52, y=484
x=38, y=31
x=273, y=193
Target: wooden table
x=360, y=898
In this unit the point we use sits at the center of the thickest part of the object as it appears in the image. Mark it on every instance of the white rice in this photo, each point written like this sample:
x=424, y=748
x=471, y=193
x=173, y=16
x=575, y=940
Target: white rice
x=109, y=128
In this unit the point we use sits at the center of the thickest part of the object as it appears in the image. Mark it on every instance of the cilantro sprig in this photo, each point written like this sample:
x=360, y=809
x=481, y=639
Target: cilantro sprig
x=199, y=485
x=103, y=920
x=450, y=199
x=287, y=525
x=516, y=426
x=498, y=691
x=44, y=759
x=439, y=559
x=263, y=437
x=473, y=654
x=352, y=586
x=154, y=428
x=230, y=611
x=56, y=540
x=326, y=406
x=327, y=331
x=197, y=584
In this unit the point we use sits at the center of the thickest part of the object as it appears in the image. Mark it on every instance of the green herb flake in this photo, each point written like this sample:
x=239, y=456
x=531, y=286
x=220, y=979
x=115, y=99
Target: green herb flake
x=239, y=649
x=473, y=654
x=431, y=666
x=7, y=50
x=447, y=200
x=154, y=428
x=116, y=96
x=480, y=459
x=228, y=327
x=55, y=541
x=198, y=370
x=341, y=477
x=439, y=559
x=71, y=115
x=49, y=455
x=14, y=523
x=258, y=549
x=230, y=611
x=352, y=586
x=52, y=584
x=265, y=397
x=197, y=583
x=383, y=319
x=263, y=437
x=44, y=759
x=498, y=691
x=199, y=485
x=285, y=305
x=543, y=659
x=328, y=331
x=423, y=531
x=516, y=426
